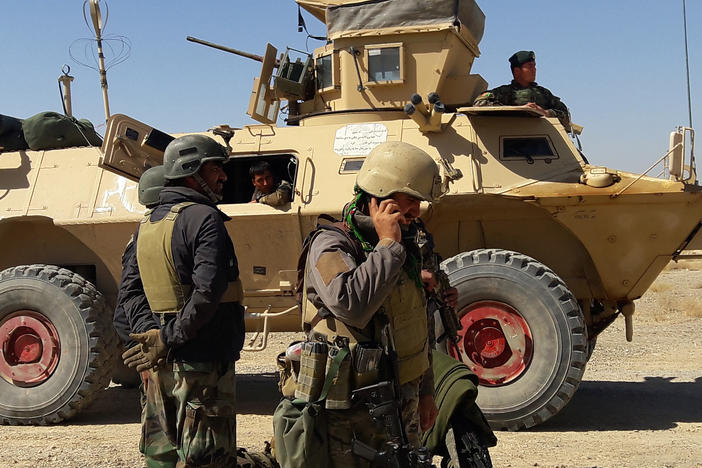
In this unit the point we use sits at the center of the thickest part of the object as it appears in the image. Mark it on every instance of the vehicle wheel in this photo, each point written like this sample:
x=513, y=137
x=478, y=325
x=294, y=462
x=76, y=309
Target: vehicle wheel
x=523, y=335
x=56, y=342
x=464, y=447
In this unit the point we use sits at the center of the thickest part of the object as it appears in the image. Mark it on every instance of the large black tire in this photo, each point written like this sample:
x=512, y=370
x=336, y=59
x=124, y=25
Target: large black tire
x=557, y=327
x=85, y=350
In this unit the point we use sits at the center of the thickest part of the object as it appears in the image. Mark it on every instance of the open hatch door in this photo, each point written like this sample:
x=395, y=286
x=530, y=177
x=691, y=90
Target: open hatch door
x=131, y=147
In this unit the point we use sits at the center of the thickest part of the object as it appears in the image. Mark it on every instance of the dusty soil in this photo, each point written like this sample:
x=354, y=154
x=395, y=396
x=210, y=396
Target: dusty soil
x=640, y=404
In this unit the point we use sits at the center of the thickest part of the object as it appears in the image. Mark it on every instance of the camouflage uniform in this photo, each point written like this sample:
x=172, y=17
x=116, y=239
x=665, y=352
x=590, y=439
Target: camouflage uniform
x=514, y=95
x=191, y=402
x=280, y=196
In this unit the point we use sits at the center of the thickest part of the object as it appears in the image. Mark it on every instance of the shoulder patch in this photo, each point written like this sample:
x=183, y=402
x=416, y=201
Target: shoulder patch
x=330, y=265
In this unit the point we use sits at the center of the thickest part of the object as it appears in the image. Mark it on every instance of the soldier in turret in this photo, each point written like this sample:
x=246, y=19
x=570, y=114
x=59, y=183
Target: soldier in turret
x=524, y=91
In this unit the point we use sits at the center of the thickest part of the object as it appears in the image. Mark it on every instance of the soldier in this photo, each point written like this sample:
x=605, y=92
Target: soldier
x=369, y=274
x=188, y=268
x=523, y=90
x=265, y=189
x=132, y=314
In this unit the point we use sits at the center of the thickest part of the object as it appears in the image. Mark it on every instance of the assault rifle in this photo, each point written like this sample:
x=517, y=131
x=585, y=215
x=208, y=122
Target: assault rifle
x=436, y=303
x=381, y=399
x=431, y=261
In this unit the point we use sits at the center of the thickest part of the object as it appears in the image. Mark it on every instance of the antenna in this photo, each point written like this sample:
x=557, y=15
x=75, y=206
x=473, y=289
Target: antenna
x=687, y=67
x=97, y=27
x=103, y=51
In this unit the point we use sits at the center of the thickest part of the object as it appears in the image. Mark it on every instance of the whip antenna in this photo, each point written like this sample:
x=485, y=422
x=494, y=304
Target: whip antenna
x=103, y=52
x=687, y=67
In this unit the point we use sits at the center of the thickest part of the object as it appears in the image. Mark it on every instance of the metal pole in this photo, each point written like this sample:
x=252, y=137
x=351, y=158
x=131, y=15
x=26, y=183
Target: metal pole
x=687, y=67
x=65, y=81
x=97, y=24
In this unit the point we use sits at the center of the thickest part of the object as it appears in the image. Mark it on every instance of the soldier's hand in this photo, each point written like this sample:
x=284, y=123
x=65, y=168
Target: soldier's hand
x=132, y=355
x=427, y=412
x=538, y=108
x=429, y=280
x=451, y=297
x=386, y=219
x=152, y=351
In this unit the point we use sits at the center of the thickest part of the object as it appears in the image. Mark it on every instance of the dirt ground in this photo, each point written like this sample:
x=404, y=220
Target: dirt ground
x=640, y=404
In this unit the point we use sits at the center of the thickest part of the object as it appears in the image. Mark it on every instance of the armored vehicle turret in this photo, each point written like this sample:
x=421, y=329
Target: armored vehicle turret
x=545, y=249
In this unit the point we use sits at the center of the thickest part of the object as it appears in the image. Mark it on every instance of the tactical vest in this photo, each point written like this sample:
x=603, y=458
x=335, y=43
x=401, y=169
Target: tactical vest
x=405, y=308
x=164, y=291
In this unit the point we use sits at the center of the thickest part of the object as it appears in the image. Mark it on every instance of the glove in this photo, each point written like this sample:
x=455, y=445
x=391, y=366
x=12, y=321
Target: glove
x=148, y=354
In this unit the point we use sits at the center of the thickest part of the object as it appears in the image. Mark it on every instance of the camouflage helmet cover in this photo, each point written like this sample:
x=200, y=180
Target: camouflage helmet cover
x=185, y=155
x=150, y=184
x=395, y=166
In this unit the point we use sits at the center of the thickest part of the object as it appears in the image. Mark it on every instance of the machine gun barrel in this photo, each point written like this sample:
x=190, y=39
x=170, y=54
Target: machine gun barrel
x=241, y=53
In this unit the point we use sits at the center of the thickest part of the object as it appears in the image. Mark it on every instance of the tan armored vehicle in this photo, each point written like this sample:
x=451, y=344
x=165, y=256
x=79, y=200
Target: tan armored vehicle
x=545, y=249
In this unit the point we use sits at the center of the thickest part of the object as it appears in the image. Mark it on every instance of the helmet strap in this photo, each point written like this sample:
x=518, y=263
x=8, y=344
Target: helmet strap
x=208, y=191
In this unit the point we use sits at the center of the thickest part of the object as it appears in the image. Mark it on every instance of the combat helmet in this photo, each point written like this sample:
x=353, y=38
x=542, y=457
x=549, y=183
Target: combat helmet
x=185, y=155
x=150, y=185
x=395, y=166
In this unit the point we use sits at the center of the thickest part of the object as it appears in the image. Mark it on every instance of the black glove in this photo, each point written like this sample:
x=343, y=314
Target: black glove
x=148, y=354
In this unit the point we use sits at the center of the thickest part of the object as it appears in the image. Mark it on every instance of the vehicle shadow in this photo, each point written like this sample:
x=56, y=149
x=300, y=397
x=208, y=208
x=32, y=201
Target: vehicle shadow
x=256, y=394
x=657, y=403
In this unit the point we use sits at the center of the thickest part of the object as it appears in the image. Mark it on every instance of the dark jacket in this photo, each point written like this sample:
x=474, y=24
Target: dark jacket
x=204, y=330
x=132, y=314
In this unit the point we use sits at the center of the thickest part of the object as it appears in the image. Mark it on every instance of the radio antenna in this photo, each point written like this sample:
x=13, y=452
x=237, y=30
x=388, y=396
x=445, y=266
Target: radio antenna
x=102, y=52
x=687, y=67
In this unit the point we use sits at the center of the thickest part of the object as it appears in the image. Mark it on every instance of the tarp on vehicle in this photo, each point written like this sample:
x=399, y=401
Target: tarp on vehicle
x=354, y=15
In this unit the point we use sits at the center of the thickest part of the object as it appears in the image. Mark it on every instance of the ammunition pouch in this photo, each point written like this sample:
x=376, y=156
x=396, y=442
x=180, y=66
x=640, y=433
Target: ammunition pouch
x=288, y=372
x=300, y=427
x=360, y=368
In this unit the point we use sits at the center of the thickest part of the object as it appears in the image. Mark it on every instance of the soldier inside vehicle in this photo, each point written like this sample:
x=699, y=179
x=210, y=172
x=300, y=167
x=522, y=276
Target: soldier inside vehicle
x=268, y=190
x=240, y=187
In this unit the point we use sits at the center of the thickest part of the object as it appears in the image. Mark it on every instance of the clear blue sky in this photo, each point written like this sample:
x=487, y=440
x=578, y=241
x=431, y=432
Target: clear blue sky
x=618, y=65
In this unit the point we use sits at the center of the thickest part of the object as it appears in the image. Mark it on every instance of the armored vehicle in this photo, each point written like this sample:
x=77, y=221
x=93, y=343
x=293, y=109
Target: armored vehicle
x=546, y=249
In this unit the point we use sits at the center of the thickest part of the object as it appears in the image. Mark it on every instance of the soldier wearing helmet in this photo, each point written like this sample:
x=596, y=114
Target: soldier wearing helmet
x=188, y=268
x=366, y=274
x=132, y=314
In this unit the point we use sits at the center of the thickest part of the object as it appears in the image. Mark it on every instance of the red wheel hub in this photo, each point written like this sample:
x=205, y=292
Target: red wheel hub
x=495, y=342
x=30, y=348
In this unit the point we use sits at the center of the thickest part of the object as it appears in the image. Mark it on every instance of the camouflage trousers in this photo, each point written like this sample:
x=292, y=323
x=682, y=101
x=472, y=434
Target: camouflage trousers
x=189, y=418
x=344, y=425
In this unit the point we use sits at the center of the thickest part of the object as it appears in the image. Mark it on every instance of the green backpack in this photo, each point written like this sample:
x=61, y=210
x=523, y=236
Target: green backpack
x=51, y=130
x=300, y=427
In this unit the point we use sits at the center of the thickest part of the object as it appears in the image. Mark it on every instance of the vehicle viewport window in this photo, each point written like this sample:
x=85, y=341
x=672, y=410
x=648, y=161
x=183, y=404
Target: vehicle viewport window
x=239, y=188
x=349, y=165
x=528, y=148
x=325, y=77
x=384, y=64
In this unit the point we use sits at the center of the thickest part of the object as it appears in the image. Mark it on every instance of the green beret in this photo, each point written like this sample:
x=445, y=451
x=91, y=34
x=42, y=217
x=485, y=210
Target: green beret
x=520, y=58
